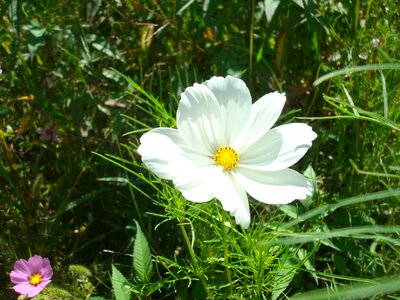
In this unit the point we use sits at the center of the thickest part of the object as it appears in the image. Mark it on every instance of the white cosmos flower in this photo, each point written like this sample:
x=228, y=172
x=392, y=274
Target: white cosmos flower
x=224, y=147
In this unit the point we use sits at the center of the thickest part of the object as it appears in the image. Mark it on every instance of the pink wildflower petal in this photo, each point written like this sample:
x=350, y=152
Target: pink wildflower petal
x=34, y=290
x=23, y=270
x=35, y=264
x=23, y=288
x=22, y=266
x=18, y=277
x=47, y=273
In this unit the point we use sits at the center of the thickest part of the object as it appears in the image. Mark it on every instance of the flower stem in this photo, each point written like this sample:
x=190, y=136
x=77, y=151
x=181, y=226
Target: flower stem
x=199, y=271
x=251, y=38
x=226, y=259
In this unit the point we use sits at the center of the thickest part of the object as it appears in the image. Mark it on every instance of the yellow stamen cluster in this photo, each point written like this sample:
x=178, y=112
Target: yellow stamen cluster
x=226, y=157
x=35, y=279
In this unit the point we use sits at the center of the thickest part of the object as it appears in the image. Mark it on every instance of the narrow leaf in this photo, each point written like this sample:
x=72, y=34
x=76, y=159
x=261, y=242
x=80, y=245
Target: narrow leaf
x=384, y=285
x=348, y=201
x=394, y=66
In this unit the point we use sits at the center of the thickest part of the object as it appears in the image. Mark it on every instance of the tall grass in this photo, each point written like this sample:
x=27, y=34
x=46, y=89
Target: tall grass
x=104, y=72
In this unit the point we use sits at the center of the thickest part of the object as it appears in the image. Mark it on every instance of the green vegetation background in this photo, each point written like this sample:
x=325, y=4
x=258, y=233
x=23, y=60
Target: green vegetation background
x=62, y=99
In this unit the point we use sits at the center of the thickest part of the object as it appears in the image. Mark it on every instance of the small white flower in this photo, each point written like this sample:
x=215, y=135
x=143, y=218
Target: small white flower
x=224, y=147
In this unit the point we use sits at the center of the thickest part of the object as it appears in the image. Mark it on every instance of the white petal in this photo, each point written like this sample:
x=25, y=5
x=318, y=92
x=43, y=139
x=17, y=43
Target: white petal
x=232, y=196
x=234, y=100
x=193, y=177
x=158, y=147
x=280, y=148
x=198, y=119
x=263, y=116
x=277, y=187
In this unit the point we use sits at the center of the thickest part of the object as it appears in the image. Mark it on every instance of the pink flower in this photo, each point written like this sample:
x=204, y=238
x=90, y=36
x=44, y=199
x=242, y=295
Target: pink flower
x=31, y=277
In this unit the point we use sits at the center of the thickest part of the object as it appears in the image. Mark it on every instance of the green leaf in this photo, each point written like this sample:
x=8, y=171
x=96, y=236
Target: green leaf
x=384, y=285
x=304, y=256
x=285, y=275
x=327, y=208
x=52, y=292
x=299, y=3
x=14, y=12
x=36, y=37
x=289, y=210
x=270, y=8
x=92, y=8
x=142, y=256
x=78, y=270
x=102, y=45
x=120, y=285
x=355, y=232
x=310, y=174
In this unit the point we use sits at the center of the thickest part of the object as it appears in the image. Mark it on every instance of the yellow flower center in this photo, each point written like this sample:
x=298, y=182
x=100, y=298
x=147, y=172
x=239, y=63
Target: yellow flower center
x=226, y=157
x=35, y=279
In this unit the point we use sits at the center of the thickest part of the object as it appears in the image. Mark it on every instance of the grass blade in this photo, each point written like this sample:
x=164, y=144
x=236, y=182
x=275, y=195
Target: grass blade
x=382, y=286
x=348, y=201
x=361, y=232
x=376, y=67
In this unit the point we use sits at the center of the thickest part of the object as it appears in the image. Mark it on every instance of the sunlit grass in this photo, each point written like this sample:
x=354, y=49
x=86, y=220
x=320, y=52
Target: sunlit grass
x=105, y=72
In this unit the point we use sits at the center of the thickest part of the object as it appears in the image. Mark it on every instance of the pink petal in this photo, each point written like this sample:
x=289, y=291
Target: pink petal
x=35, y=290
x=21, y=265
x=46, y=273
x=23, y=288
x=35, y=264
x=18, y=277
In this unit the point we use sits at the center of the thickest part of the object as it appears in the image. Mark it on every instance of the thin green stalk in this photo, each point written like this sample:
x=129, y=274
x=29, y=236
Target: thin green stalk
x=356, y=16
x=131, y=191
x=226, y=253
x=199, y=271
x=384, y=93
x=251, y=38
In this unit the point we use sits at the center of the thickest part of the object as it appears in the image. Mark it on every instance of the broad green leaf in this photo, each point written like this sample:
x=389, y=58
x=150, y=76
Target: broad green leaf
x=36, y=37
x=289, y=210
x=304, y=256
x=299, y=3
x=14, y=12
x=310, y=174
x=79, y=270
x=102, y=45
x=120, y=285
x=270, y=8
x=284, y=276
x=142, y=256
x=92, y=8
x=53, y=292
